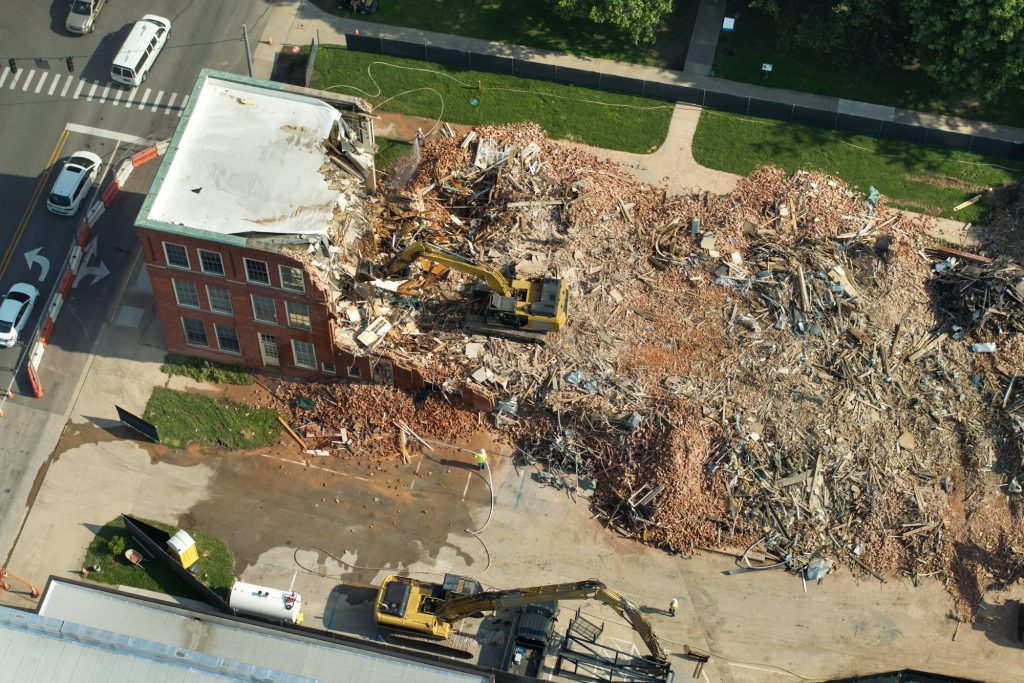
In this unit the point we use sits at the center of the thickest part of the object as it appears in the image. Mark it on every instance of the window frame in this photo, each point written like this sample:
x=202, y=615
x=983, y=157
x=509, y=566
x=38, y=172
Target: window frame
x=302, y=278
x=202, y=265
x=217, y=328
x=177, y=296
x=288, y=314
x=246, y=261
x=167, y=256
x=209, y=299
x=295, y=354
x=184, y=329
x=273, y=305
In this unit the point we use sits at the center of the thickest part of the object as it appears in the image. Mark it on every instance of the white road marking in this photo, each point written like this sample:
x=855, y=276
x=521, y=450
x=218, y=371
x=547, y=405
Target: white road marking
x=17, y=75
x=28, y=80
x=106, y=91
x=170, y=103
x=92, y=91
x=7, y=72
x=109, y=134
x=42, y=79
x=117, y=96
x=128, y=100
x=184, y=103
x=78, y=90
x=67, y=84
x=145, y=96
x=156, y=102
x=56, y=82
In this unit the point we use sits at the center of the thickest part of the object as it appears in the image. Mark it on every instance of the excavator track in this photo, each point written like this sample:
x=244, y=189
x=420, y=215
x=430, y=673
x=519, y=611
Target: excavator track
x=478, y=324
x=455, y=645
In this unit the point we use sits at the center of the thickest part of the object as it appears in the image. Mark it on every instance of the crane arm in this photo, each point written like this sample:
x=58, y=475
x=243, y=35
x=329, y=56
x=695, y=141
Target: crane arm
x=631, y=613
x=492, y=277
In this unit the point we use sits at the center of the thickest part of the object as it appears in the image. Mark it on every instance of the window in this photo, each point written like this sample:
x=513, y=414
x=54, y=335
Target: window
x=227, y=339
x=304, y=355
x=211, y=262
x=186, y=294
x=195, y=332
x=220, y=299
x=298, y=315
x=176, y=255
x=328, y=367
x=256, y=271
x=353, y=371
x=263, y=309
x=291, y=278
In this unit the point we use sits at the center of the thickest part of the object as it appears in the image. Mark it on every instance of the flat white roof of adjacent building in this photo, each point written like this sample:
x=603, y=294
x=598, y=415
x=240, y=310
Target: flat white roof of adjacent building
x=84, y=633
x=247, y=159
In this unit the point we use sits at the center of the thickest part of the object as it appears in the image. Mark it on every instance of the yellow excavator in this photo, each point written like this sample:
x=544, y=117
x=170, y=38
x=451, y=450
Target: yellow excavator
x=421, y=613
x=520, y=310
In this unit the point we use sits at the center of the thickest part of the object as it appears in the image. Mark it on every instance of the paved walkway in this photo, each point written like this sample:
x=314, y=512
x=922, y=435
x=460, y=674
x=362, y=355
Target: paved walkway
x=707, y=28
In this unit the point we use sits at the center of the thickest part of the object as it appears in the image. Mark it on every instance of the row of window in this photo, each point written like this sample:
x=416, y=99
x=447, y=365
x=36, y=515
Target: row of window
x=264, y=308
x=256, y=272
x=303, y=352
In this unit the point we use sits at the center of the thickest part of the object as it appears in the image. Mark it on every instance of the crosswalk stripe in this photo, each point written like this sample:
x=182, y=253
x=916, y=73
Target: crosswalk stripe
x=184, y=103
x=170, y=103
x=156, y=102
x=28, y=80
x=67, y=84
x=145, y=96
x=78, y=90
x=130, y=98
x=17, y=75
x=92, y=91
x=7, y=72
x=56, y=82
x=106, y=91
x=42, y=79
x=117, y=96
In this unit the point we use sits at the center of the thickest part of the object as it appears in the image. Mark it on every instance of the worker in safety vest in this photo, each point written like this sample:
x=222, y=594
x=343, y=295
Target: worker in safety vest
x=672, y=607
x=481, y=459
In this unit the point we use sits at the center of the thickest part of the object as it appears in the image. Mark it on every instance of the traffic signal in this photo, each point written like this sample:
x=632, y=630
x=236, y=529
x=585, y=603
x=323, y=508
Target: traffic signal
x=71, y=65
x=13, y=64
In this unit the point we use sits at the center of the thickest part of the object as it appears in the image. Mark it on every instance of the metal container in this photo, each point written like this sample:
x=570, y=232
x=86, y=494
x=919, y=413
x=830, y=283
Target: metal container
x=269, y=603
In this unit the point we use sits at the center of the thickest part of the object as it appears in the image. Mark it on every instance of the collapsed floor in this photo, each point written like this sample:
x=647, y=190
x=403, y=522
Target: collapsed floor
x=787, y=370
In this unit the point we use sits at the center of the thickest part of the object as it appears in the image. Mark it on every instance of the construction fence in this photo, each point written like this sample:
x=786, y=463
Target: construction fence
x=709, y=99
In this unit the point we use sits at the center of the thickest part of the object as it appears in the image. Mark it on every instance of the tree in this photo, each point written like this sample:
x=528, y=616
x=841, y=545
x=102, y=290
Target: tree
x=974, y=46
x=637, y=19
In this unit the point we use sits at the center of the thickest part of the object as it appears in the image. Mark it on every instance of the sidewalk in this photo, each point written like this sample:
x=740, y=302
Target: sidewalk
x=294, y=22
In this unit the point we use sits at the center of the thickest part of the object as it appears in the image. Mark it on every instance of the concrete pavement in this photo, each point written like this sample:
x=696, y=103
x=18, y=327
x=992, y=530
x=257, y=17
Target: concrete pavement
x=700, y=57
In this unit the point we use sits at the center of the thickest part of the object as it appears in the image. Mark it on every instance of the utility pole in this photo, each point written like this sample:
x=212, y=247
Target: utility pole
x=248, y=53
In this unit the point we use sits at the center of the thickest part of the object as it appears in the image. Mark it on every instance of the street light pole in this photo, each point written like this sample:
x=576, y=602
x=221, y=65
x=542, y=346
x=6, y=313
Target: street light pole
x=248, y=52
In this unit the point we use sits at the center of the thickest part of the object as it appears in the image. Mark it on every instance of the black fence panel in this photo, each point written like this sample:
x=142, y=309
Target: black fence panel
x=538, y=70
x=590, y=79
x=947, y=138
x=904, y=131
x=673, y=93
x=629, y=86
x=400, y=48
x=448, y=56
x=770, y=110
x=858, y=124
x=147, y=429
x=492, y=63
x=1017, y=152
x=725, y=102
x=991, y=147
x=814, y=117
x=362, y=43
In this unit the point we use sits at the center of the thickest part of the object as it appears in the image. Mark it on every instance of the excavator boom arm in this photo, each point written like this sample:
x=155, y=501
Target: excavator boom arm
x=492, y=277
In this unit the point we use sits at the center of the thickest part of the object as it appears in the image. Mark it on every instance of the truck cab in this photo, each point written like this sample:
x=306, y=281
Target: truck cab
x=82, y=16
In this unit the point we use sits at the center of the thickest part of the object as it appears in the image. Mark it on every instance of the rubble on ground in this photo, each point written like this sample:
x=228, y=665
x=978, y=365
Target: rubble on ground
x=782, y=370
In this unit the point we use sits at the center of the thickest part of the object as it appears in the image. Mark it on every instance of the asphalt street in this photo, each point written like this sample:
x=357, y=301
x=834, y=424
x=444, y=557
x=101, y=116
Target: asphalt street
x=46, y=114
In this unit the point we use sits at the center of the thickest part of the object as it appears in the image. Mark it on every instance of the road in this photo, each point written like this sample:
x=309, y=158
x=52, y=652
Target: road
x=47, y=114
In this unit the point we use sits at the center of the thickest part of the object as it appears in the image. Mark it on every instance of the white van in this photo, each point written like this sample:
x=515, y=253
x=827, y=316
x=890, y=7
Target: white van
x=140, y=49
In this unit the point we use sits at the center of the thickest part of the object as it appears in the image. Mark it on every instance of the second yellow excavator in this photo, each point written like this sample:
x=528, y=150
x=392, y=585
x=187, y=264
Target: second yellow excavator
x=520, y=310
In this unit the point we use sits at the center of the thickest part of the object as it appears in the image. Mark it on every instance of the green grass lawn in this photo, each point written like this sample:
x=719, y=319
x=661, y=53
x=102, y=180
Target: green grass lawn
x=919, y=178
x=204, y=370
x=182, y=417
x=217, y=564
x=759, y=39
x=387, y=152
x=533, y=23
x=609, y=120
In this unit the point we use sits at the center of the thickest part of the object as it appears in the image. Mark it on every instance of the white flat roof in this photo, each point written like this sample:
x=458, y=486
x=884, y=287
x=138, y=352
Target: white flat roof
x=248, y=160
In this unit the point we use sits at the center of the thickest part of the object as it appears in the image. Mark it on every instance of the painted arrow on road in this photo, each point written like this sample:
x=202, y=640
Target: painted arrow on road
x=98, y=273
x=33, y=257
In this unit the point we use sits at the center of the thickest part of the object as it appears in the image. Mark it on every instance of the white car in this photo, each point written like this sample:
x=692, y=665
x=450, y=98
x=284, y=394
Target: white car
x=73, y=183
x=15, y=310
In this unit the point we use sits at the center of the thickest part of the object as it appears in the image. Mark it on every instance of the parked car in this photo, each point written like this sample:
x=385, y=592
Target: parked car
x=82, y=15
x=15, y=310
x=73, y=183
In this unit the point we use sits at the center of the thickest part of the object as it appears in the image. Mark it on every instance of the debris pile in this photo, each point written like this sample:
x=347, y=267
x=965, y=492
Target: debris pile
x=983, y=298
